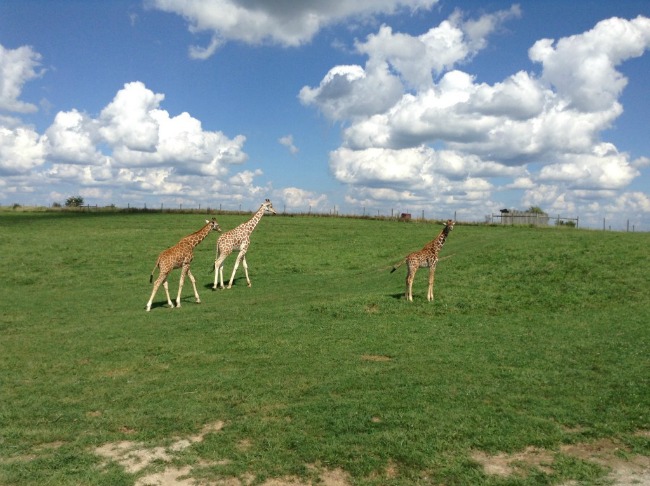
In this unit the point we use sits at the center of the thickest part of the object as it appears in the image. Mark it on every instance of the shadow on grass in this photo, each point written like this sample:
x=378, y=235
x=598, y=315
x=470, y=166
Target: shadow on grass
x=209, y=285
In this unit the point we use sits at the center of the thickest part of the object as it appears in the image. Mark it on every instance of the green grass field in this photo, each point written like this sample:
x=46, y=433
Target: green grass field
x=536, y=347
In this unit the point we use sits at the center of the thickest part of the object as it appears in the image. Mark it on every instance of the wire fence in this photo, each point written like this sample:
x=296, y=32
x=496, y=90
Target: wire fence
x=512, y=217
x=534, y=219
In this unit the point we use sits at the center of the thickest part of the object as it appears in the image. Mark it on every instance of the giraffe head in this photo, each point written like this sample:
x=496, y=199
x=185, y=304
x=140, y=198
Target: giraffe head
x=449, y=225
x=214, y=226
x=268, y=206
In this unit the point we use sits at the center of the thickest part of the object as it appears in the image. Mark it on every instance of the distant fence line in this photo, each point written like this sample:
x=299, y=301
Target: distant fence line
x=239, y=210
x=535, y=219
x=512, y=218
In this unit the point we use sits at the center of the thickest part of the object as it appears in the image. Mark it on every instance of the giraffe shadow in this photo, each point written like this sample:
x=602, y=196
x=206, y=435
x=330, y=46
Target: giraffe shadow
x=234, y=284
x=161, y=304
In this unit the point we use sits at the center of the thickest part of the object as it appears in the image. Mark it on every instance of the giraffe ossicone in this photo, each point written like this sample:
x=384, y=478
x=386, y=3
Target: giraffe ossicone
x=426, y=257
x=237, y=239
x=179, y=256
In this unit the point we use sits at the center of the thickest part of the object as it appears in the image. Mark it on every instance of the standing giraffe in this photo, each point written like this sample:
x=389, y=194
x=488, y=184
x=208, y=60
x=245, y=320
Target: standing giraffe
x=179, y=256
x=426, y=257
x=238, y=238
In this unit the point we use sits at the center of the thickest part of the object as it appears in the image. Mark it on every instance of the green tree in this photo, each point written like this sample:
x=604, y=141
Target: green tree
x=74, y=202
x=536, y=210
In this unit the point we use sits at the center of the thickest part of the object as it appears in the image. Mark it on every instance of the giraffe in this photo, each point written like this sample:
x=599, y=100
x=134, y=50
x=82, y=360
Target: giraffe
x=237, y=239
x=179, y=256
x=426, y=257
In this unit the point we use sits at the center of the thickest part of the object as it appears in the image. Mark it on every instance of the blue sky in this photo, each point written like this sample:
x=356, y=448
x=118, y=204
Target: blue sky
x=374, y=106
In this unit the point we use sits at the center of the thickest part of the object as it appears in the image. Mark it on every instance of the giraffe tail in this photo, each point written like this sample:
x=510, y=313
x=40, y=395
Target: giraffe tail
x=397, y=265
x=154, y=269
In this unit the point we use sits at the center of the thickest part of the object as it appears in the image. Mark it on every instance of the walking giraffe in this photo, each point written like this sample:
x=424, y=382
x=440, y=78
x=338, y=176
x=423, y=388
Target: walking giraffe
x=238, y=238
x=426, y=257
x=179, y=256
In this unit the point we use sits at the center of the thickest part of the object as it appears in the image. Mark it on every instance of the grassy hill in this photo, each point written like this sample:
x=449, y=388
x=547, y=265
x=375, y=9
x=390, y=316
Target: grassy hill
x=536, y=346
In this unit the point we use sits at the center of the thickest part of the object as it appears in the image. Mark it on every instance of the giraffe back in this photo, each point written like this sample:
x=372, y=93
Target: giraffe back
x=428, y=255
x=233, y=239
x=239, y=238
x=182, y=253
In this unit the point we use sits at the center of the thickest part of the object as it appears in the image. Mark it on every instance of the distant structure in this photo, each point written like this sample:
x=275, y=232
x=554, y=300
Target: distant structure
x=513, y=216
x=405, y=217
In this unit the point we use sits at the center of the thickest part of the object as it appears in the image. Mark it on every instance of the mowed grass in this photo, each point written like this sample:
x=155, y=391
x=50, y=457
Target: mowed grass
x=537, y=338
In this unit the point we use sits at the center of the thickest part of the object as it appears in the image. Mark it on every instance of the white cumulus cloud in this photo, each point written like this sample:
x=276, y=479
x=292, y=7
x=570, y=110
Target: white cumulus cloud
x=287, y=141
x=21, y=150
x=447, y=133
x=17, y=66
x=286, y=23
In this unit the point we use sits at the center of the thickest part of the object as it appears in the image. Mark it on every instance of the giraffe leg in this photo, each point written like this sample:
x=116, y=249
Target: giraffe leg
x=243, y=261
x=193, y=280
x=432, y=271
x=216, y=276
x=169, y=300
x=221, y=277
x=218, y=271
x=410, y=276
x=161, y=278
x=218, y=266
x=234, y=269
x=184, y=271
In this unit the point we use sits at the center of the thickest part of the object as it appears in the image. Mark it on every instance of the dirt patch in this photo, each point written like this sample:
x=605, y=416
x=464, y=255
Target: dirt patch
x=337, y=477
x=50, y=445
x=168, y=477
x=135, y=458
x=518, y=463
x=626, y=469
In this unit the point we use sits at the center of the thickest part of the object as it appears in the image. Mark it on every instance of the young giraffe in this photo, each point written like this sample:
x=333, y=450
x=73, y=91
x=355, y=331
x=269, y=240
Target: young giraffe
x=237, y=239
x=179, y=256
x=426, y=257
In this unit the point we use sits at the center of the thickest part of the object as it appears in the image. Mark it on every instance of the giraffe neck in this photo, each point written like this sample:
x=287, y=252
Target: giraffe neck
x=197, y=237
x=251, y=223
x=442, y=237
x=437, y=243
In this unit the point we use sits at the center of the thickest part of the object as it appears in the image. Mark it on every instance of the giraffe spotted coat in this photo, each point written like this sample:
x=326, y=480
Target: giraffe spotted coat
x=426, y=257
x=179, y=256
x=239, y=239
